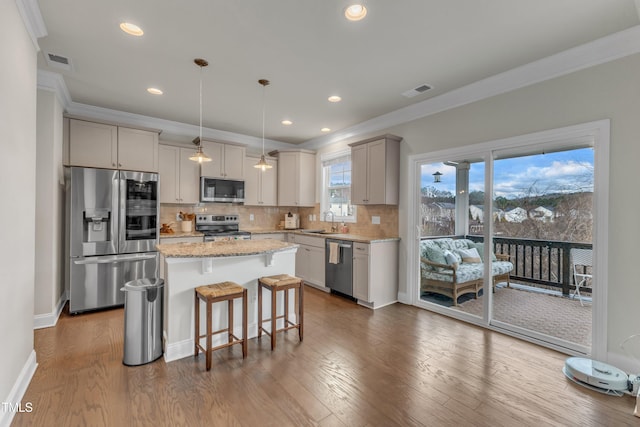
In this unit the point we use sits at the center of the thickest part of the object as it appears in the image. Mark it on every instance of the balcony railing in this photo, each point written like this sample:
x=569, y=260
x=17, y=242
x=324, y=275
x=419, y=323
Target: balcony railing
x=539, y=262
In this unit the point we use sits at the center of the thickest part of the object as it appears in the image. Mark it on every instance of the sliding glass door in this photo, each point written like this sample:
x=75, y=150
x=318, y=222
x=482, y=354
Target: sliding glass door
x=451, y=235
x=500, y=228
x=543, y=208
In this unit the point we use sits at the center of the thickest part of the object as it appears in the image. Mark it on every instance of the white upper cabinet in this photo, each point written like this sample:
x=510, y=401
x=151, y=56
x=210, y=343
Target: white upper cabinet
x=227, y=160
x=109, y=146
x=93, y=144
x=179, y=176
x=260, y=188
x=375, y=170
x=137, y=149
x=296, y=178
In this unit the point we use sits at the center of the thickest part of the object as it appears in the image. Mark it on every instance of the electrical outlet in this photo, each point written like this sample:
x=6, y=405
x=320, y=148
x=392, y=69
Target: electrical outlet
x=251, y=217
x=375, y=220
x=314, y=217
x=310, y=217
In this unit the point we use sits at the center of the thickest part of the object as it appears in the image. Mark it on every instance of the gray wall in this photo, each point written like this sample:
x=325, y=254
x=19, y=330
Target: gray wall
x=17, y=192
x=609, y=91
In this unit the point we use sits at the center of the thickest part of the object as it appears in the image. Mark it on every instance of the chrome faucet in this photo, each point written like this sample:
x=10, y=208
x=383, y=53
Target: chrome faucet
x=333, y=218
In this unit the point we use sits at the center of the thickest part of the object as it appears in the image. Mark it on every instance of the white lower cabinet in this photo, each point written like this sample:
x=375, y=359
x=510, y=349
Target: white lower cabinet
x=309, y=258
x=361, y=271
x=375, y=273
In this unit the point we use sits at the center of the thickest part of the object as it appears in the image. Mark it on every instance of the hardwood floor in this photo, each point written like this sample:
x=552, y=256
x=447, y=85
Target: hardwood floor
x=397, y=365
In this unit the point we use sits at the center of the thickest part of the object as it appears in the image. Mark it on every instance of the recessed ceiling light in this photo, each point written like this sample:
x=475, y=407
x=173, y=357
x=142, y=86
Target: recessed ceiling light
x=355, y=12
x=287, y=122
x=154, y=91
x=334, y=98
x=325, y=130
x=132, y=29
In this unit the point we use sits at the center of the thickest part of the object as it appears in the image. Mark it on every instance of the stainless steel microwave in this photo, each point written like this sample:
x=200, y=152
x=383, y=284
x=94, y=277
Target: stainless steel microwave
x=221, y=190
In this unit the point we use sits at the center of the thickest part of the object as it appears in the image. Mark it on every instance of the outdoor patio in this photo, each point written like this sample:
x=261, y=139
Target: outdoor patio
x=539, y=310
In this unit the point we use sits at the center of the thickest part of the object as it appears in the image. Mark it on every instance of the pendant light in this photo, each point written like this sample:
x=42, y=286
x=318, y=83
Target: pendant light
x=262, y=164
x=199, y=156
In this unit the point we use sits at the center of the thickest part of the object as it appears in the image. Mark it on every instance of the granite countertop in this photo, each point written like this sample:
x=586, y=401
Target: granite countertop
x=181, y=234
x=340, y=236
x=223, y=249
x=350, y=237
x=264, y=230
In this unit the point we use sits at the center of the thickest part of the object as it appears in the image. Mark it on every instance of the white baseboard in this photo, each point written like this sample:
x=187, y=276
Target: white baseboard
x=18, y=390
x=185, y=348
x=178, y=350
x=404, y=298
x=50, y=319
x=373, y=306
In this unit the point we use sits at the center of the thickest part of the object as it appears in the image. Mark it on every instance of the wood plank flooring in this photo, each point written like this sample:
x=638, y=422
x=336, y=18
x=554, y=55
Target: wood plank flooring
x=395, y=366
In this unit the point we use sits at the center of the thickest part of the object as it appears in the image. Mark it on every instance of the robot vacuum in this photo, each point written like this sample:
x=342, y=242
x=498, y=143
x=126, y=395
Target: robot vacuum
x=599, y=376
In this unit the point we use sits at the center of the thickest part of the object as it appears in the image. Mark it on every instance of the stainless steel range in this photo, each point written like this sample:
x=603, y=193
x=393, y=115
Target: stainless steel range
x=218, y=228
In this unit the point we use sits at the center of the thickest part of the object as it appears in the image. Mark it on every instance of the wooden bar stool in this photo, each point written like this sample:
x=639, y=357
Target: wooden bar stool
x=281, y=282
x=225, y=291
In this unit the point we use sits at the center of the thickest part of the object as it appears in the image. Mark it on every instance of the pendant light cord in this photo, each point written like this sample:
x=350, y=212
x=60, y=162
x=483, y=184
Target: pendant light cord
x=200, y=135
x=264, y=95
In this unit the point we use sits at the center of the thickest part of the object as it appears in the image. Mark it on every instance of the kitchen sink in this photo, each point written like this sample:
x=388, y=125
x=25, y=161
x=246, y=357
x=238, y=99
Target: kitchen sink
x=319, y=232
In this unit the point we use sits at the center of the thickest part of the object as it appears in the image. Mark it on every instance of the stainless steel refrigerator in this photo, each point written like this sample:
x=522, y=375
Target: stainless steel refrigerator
x=112, y=230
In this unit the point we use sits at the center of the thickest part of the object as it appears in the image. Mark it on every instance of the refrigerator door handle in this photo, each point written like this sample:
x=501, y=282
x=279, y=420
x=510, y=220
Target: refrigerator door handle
x=113, y=259
x=116, y=211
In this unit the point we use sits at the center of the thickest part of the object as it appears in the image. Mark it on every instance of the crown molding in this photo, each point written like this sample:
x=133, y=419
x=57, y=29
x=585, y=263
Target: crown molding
x=54, y=82
x=171, y=130
x=606, y=49
x=32, y=18
x=600, y=51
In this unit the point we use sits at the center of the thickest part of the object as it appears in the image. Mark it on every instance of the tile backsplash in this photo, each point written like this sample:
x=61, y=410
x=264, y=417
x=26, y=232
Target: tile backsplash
x=270, y=217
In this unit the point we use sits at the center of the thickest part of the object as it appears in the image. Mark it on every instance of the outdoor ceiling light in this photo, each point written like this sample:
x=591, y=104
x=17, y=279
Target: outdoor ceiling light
x=262, y=164
x=199, y=156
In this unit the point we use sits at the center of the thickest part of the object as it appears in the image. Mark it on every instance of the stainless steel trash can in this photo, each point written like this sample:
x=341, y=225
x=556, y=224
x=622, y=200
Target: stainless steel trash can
x=142, y=321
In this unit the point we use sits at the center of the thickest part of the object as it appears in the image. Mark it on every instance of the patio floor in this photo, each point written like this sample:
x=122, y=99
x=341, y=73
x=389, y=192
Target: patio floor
x=547, y=312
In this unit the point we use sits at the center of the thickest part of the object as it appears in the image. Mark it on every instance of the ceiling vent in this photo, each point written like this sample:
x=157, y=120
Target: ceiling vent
x=58, y=61
x=416, y=91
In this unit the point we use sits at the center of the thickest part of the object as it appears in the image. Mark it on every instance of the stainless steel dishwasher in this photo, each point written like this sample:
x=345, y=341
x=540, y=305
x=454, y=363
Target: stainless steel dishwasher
x=339, y=266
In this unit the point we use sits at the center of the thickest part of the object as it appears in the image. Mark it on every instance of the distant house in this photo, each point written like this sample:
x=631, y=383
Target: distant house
x=438, y=212
x=519, y=214
x=476, y=213
x=516, y=215
x=542, y=214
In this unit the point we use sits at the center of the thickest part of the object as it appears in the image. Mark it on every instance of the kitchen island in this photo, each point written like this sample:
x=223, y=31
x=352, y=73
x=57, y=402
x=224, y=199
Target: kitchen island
x=185, y=266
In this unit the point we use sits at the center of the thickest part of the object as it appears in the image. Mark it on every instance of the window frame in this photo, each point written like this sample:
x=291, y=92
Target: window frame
x=325, y=159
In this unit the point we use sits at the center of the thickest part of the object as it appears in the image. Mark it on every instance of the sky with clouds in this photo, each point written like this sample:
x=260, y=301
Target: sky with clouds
x=565, y=171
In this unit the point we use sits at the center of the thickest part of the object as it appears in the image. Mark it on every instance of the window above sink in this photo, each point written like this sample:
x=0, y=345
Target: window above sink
x=336, y=188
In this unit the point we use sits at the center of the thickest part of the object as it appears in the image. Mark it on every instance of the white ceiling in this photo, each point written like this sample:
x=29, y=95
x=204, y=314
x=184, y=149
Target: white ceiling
x=307, y=50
